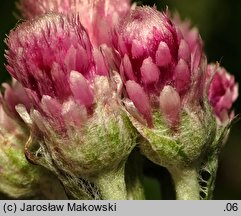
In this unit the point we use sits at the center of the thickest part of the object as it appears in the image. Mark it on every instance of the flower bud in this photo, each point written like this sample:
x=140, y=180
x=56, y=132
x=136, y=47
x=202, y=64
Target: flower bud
x=77, y=120
x=162, y=89
x=153, y=53
x=222, y=92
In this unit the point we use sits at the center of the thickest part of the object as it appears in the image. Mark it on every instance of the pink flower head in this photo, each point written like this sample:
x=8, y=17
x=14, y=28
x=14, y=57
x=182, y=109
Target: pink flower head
x=222, y=92
x=97, y=16
x=75, y=106
x=153, y=55
x=53, y=59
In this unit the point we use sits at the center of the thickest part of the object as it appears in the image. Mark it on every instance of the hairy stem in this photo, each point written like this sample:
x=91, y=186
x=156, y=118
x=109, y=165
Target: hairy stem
x=186, y=184
x=111, y=184
x=79, y=189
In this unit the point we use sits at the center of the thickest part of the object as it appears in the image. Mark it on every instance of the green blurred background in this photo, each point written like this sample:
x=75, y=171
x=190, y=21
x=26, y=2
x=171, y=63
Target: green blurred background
x=219, y=22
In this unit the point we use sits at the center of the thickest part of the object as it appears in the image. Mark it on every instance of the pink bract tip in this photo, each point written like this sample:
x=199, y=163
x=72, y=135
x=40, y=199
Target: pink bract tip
x=81, y=89
x=140, y=100
x=170, y=105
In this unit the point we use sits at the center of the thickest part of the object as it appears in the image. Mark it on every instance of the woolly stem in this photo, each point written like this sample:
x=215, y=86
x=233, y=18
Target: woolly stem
x=75, y=190
x=136, y=192
x=111, y=184
x=186, y=184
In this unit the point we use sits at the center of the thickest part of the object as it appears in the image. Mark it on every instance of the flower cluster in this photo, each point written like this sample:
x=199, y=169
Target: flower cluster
x=95, y=78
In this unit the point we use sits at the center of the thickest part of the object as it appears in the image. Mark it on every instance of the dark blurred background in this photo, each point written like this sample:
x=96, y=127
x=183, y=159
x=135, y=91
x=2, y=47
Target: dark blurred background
x=219, y=22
